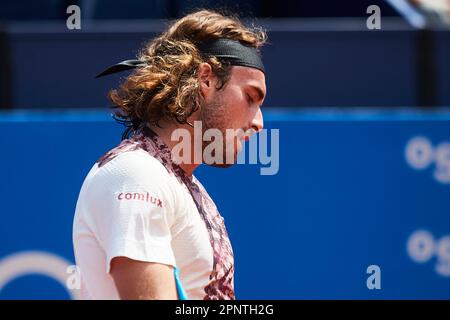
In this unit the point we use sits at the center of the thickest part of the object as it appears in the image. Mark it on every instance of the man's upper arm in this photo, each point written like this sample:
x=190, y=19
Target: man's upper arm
x=132, y=217
x=143, y=280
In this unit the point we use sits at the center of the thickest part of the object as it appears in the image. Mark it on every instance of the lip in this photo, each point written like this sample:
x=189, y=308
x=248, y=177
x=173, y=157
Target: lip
x=248, y=134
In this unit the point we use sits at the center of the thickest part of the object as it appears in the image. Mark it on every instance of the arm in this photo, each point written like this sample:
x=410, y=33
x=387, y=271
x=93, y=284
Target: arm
x=143, y=280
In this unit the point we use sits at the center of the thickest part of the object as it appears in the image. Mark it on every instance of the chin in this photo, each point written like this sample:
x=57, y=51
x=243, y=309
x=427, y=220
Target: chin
x=225, y=164
x=236, y=146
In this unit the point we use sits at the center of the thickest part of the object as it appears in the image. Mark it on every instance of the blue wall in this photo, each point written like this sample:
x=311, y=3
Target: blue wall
x=345, y=197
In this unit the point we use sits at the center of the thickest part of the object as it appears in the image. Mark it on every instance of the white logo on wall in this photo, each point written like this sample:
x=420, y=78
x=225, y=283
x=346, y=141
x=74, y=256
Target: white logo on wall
x=373, y=22
x=420, y=154
x=422, y=247
x=42, y=263
x=374, y=280
x=74, y=20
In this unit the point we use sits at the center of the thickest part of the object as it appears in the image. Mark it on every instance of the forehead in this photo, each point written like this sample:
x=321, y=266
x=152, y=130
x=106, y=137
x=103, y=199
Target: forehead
x=246, y=76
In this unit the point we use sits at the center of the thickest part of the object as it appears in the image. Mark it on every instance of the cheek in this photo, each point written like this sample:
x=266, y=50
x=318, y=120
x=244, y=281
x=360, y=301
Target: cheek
x=237, y=108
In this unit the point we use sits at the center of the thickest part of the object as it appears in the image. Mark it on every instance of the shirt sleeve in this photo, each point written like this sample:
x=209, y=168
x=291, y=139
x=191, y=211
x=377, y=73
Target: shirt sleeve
x=132, y=209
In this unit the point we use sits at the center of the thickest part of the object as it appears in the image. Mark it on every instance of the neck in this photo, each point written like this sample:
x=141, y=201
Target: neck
x=165, y=130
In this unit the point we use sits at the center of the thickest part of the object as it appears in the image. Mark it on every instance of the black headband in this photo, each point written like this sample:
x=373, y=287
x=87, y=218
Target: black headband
x=236, y=53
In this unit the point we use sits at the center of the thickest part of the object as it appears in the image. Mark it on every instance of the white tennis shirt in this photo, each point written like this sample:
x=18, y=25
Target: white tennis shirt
x=135, y=202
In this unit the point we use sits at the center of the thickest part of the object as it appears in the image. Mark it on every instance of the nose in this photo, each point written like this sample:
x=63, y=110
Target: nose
x=257, y=121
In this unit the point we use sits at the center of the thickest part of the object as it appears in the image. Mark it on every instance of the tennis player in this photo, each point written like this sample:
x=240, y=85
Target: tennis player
x=145, y=227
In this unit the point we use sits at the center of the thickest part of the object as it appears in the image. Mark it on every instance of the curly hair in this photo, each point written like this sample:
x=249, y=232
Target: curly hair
x=167, y=87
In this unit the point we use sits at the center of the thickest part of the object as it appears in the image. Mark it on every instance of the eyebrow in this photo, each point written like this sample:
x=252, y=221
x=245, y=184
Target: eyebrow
x=258, y=91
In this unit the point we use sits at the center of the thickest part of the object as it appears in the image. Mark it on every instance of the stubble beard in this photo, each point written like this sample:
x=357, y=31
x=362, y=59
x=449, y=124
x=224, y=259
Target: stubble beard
x=214, y=115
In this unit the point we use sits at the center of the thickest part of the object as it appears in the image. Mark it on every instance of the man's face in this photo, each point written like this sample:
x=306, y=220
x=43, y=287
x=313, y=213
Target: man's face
x=235, y=107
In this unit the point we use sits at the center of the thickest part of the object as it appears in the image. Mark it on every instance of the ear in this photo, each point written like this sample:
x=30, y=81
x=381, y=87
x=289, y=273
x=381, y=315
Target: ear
x=206, y=79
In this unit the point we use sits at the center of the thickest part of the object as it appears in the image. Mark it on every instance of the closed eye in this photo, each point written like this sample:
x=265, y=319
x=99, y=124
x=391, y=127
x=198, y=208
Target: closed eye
x=249, y=99
x=255, y=95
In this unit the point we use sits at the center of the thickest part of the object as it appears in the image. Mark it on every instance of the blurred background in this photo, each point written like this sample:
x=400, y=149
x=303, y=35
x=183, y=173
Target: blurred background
x=359, y=91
